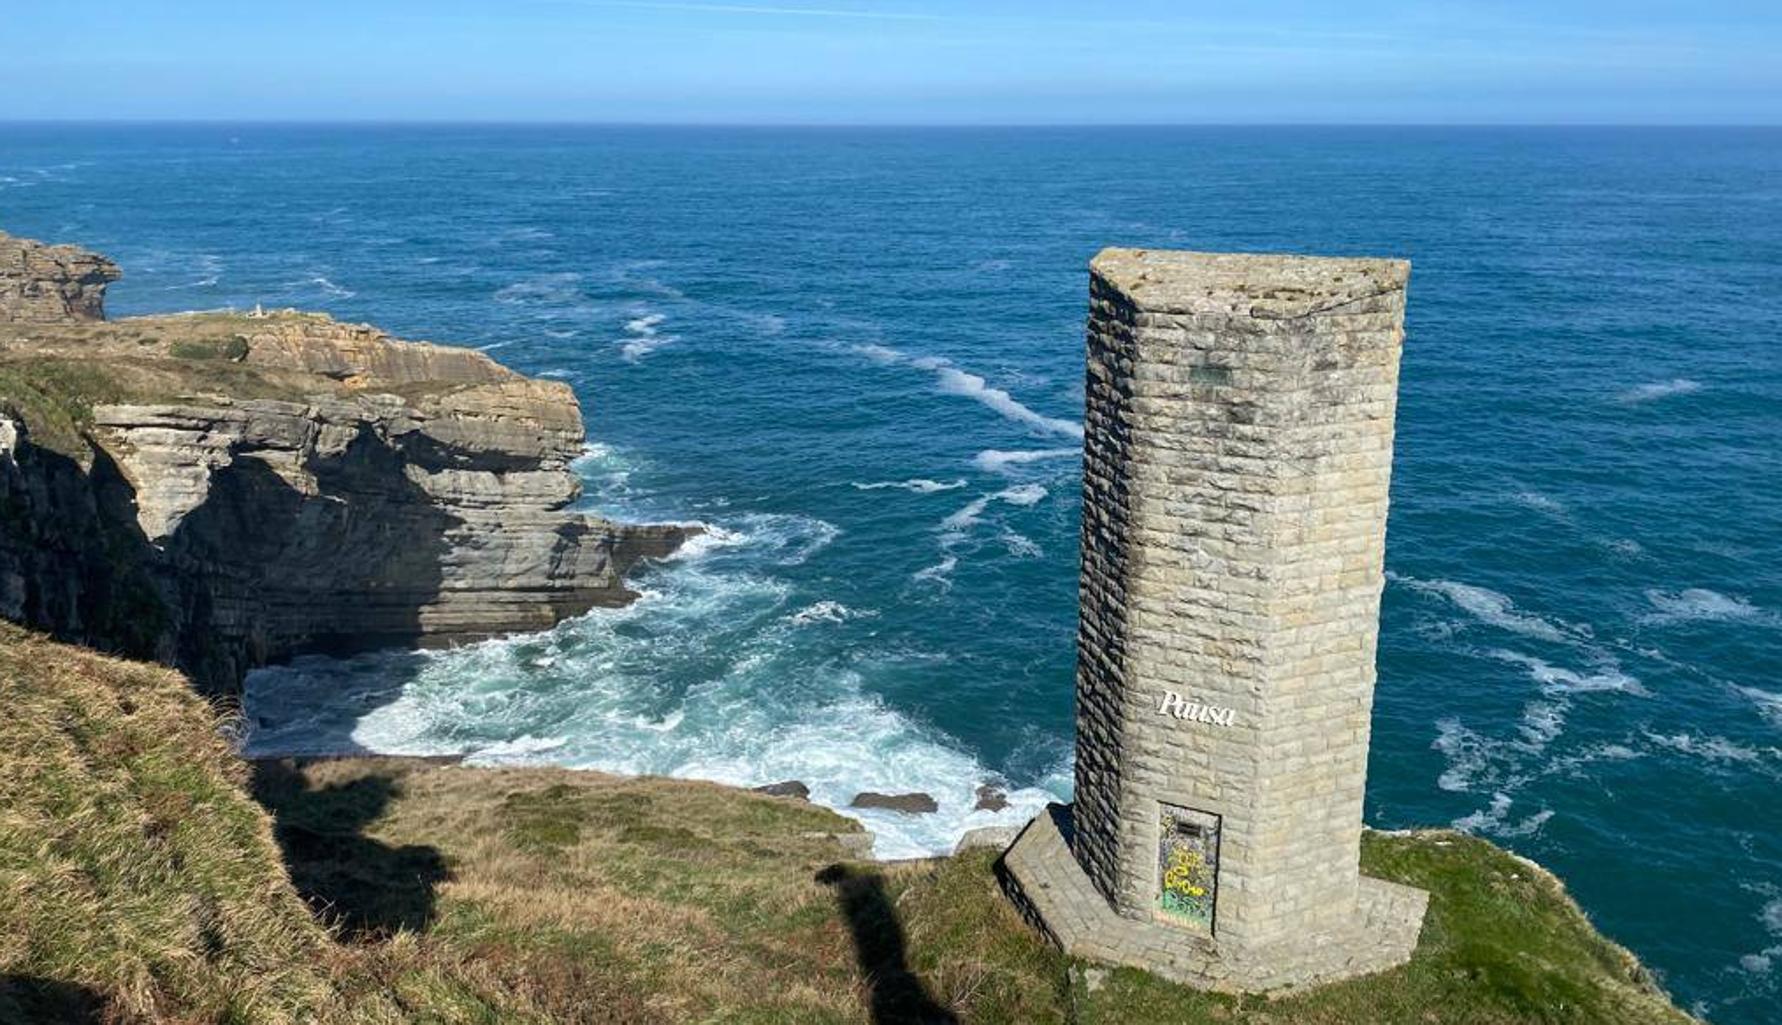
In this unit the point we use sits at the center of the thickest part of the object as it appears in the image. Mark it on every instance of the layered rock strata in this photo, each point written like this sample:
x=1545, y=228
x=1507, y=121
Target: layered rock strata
x=49, y=284
x=222, y=490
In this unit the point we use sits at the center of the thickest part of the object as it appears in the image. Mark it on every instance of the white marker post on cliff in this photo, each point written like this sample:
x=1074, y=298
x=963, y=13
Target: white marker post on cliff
x=1236, y=460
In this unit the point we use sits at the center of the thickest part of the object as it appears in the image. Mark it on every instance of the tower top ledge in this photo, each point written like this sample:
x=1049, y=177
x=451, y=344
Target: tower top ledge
x=1269, y=285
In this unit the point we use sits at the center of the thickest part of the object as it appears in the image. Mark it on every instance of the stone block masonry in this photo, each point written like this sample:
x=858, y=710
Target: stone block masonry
x=1237, y=453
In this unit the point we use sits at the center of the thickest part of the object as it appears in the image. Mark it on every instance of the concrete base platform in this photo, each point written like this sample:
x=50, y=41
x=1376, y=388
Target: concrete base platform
x=1045, y=882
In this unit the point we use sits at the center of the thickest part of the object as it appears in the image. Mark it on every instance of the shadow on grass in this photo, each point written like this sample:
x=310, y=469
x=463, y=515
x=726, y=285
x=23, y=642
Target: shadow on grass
x=366, y=887
x=27, y=998
x=897, y=996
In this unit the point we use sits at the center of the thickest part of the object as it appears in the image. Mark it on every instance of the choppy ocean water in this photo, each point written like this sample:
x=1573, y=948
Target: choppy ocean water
x=857, y=356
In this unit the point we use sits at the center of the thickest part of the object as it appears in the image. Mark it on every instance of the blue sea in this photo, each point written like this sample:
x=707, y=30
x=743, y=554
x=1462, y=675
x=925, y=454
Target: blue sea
x=856, y=355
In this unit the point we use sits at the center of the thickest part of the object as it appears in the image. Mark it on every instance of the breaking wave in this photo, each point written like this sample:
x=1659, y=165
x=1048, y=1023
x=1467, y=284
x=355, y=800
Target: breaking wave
x=1490, y=607
x=969, y=514
x=999, y=461
x=703, y=677
x=951, y=380
x=920, y=485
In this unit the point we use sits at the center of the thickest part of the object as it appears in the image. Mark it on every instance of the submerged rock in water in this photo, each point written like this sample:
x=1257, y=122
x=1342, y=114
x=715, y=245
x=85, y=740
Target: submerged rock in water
x=247, y=487
x=991, y=798
x=911, y=804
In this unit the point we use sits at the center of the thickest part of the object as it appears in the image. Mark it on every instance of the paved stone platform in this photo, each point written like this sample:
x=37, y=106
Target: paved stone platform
x=1052, y=892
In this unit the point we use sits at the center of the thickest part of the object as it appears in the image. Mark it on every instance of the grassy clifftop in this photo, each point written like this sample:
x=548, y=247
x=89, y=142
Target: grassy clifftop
x=140, y=880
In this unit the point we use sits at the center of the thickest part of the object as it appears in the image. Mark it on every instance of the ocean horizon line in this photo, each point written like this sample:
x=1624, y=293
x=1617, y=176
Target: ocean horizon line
x=423, y=122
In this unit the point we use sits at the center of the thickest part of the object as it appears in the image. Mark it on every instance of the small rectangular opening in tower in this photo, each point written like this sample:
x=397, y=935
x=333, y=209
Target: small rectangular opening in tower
x=1187, y=866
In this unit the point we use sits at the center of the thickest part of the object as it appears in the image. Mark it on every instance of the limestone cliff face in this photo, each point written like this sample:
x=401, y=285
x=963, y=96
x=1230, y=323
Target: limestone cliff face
x=49, y=284
x=228, y=490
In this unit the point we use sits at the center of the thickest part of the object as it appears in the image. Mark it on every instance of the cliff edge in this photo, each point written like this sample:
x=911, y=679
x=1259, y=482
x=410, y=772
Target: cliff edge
x=220, y=490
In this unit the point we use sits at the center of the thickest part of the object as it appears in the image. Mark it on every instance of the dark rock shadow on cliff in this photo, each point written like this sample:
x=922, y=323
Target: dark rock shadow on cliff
x=368, y=888
x=78, y=563
x=261, y=570
x=347, y=568
x=305, y=715
x=38, y=1001
x=340, y=569
x=896, y=995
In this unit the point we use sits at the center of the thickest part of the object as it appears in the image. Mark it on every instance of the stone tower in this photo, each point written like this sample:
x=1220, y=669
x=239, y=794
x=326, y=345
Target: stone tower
x=1237, y=453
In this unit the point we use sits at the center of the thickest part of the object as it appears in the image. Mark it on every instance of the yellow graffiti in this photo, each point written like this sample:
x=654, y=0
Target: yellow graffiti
x=1186, y=873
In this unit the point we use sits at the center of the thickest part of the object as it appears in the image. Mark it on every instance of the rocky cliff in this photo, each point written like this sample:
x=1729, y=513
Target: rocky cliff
x=221, y=490
x=51, y=284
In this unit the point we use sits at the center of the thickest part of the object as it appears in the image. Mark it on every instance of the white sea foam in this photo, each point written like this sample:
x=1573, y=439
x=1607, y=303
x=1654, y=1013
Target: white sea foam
x=1528, y=826
x=557, y=289
x=940, y=573
x=204, y=282
x=1467, y=754
x=1491, y=815
x=703, y=678
x=953, y=381
x=1494, y=819
x=826, y=611
x=920, y=485
x=1590, y=756
x=778, y=539
x=1769, y=703
x=999, y=461
x=1023, y=494
x=646, y=323
x=1555, y=680
x=210, y=267
x=1716, y=750
x=645, y=336
x=1771, y=917
x=968, y=515
x=1490, y=607
x=1542, y=723
x=1540, y=503
x=1659, y=389
x=957, y=382
x=330, y=289
x=1021, y=546
x=1699, y=603
x=880, y=353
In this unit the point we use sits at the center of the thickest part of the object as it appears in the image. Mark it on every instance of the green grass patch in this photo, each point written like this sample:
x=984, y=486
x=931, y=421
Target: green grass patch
x=234, y=348
x=55, y=398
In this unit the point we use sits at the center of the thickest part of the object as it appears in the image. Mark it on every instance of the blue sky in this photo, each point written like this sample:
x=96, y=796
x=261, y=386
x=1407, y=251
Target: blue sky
x=897, y=61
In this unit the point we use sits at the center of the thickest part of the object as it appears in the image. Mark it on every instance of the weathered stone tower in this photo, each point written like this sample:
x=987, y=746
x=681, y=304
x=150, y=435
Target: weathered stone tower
x=1237, y=453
